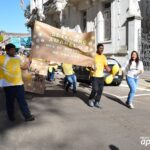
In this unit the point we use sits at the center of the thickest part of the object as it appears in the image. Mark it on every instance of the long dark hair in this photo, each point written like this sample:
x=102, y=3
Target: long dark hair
x=136, y=60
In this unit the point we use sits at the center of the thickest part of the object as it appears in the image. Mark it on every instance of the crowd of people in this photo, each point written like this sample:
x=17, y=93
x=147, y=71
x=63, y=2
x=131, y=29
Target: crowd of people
x=11, y=79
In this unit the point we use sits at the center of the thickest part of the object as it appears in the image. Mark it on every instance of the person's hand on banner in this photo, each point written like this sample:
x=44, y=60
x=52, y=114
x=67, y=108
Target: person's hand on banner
x=26, y=75
x=93, y=67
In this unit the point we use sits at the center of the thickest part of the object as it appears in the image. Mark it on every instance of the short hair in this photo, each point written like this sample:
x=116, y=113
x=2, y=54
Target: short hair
x=9, y=46
x=99, y=44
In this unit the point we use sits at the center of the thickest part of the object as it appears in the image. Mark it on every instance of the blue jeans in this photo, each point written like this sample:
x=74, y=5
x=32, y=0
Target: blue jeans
x=72, y=79
x=132, y=83
x=12, y=93
x=51, y=75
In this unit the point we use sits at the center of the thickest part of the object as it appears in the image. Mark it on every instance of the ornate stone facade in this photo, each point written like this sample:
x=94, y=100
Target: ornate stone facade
x=115, y=22
x=145, y=12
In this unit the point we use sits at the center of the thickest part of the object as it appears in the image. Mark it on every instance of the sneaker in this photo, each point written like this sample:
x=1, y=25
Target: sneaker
x=131, y=106
x=97, y=104
x=30, y=118
x=91, y=102
x=11, y=118
x=74, y=93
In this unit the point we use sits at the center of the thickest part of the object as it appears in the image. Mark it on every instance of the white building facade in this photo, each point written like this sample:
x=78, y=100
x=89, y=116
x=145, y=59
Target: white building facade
x=116, y=22
x=145, y=12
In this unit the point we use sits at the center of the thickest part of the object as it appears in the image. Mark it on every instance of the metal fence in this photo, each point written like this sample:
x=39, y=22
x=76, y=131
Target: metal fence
x=144, y=48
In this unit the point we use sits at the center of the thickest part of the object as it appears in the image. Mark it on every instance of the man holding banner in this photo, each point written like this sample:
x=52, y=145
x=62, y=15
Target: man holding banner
x=98, y=77
x=11, y=81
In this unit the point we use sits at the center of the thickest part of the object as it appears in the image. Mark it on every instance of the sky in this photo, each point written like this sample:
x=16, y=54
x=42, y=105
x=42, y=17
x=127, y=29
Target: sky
x=12, y=16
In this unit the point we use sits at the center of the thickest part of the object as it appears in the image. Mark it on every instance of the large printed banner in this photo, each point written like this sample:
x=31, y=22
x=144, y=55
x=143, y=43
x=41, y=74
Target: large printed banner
x=39, y=67
x=33, y=83
x=58, y=45
x=34, y=77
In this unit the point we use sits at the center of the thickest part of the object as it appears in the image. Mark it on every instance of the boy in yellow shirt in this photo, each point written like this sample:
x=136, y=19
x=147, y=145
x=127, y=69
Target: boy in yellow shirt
x=11, y=81
x=70, y=77
x=98, y=77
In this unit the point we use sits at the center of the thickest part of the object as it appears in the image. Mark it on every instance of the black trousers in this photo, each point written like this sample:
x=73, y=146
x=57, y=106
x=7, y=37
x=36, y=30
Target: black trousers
x=12, y=93
x=97, y=88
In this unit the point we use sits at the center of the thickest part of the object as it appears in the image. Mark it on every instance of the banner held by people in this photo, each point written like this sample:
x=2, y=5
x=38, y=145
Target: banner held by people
x=59, y=45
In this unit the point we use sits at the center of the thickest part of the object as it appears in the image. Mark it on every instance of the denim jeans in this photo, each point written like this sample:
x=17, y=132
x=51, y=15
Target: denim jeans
x=17, y=92
x=97, y=88
x=51, y=75
x=72, y=81
x=132, y=83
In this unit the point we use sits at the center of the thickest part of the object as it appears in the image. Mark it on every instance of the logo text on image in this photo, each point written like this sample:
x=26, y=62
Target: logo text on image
x=145, y=141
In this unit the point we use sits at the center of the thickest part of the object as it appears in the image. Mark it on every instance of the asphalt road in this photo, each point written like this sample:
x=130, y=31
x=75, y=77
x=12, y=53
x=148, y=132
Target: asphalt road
x=66, y=122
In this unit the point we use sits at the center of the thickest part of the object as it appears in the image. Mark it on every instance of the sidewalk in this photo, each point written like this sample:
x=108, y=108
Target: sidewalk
x=146, y=75
x=144, y=80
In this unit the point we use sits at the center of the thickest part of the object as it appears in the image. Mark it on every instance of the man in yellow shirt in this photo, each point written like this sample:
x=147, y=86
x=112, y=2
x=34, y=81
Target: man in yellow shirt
x=98, y=77
x=70, y=77
x=11, y=81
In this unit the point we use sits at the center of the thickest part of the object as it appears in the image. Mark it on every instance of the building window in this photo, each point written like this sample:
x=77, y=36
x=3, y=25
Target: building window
x=107, y=22
x=83, y=19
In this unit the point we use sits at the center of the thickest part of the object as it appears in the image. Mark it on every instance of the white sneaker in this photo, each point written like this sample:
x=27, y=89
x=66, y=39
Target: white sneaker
x=91, y=102
x=131, y=106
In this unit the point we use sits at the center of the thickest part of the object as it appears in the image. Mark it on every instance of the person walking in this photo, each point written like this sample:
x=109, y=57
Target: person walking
x=11, y=81
x=134, y=67
x=51, y=71
x=70, y=77
x=97, y=77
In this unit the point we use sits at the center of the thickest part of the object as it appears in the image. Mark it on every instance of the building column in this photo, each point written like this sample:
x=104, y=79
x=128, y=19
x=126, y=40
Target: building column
x=99, y=27
x=134, y=26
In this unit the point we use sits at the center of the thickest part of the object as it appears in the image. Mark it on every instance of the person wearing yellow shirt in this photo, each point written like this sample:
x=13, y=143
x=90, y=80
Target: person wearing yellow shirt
x=97, y=78
x=11, y=81
x=70, y=77
x=51, y=71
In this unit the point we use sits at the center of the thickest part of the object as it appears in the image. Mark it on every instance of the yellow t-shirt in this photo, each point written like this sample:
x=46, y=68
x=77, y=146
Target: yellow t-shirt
x=67, y=69
x=51, y=67
x=10, y=71
x=100, y=63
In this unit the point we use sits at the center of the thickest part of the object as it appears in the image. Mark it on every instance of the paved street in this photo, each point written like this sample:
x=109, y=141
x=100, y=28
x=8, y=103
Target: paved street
x=67, y=123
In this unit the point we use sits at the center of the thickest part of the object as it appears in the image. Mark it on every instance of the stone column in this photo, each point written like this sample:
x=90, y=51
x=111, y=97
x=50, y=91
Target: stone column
x=32, y=5
x=39, y=4
x=99, y=27
x=134, y=26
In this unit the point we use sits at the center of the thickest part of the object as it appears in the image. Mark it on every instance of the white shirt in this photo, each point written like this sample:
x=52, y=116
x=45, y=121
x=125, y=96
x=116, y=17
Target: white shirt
x=133, y=70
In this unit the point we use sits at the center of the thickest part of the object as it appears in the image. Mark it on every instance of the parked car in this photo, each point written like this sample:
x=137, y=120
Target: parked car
x=83, y=75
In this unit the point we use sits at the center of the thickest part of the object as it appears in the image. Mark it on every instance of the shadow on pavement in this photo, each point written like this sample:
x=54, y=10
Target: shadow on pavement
x=115, y=99
x=112, y=147
x=59, y=93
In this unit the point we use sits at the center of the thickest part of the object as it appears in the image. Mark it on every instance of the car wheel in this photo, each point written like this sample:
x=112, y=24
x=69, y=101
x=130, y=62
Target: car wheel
x=116, y=83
